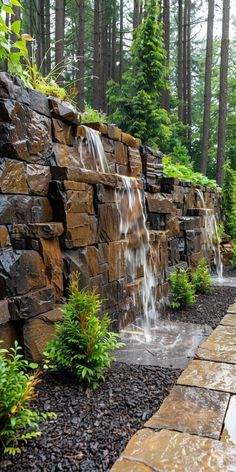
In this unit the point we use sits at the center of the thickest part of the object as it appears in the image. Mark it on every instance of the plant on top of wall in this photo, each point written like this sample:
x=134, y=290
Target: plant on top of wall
x=181, y=288
x=83, y=342
x=18, y=422
x=185, y=172
x=201, y=278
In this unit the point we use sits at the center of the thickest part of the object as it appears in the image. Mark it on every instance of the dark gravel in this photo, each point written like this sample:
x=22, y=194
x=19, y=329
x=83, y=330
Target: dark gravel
x=92, y=428
x=208, y=309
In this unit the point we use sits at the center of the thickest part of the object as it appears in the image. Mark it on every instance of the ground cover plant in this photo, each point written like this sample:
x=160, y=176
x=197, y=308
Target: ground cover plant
x=83, y=342
x=18, y=421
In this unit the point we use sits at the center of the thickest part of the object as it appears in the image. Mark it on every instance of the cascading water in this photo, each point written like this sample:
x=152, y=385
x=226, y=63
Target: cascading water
x=95, y=148
x=138, y=250
x=212, y=239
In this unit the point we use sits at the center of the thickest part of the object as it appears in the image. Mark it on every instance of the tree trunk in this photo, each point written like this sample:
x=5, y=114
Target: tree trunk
x=136, y=14
x=113, y=47
x=224, y=58
x=96, y=54
x=81, y=52
x=189, y=75
x=180, y=60
x=165, y=98
x=47, y=36
x=121, y=41
x=185, y=93
x=59, y=39
x=40, y=37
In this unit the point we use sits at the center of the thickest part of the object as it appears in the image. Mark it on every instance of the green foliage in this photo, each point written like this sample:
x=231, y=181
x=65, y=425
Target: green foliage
x=181, y=288
x=136, y=103
x=18, y=422
x=233, y=258
x=186, y=172
x=201, y=278
x=180, y=155
x=83, y=342
x=90, y=115
x=229, y=199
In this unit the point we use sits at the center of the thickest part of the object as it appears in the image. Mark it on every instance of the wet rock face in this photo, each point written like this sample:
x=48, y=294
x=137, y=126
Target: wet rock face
x=59, y=214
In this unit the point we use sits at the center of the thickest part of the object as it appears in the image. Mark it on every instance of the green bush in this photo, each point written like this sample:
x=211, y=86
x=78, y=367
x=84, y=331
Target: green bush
x=201, y=278
x=18, y=422
x=83, y=342
x=229, y=199
x=181, y=288
x=185, y=172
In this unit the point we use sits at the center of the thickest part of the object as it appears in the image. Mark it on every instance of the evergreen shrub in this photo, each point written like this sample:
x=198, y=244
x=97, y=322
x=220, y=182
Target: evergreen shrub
x=181, y=288
x=201, y=278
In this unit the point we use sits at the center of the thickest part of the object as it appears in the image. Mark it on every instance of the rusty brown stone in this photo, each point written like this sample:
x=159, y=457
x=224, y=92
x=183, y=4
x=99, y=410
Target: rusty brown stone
x=172, y=224
x=103, y=252
x=38, y=332
x=24, y=209
x=114, y=132
x=52, y=257
x=64, y=110
x=92, y=260
x=25, y=135
x=105, y=194
x=121, y=153
x=70, y=185
x=159, y=203
x=130, y=140
x=123, y=170
x=4, y=238
x=108, y=144
x=80, y=202
x=20, y=272
x=88, y=176
x=101, y=127
x=32, y=304
x=4, y=312
x=116, y=254
x=66, y=156
x=8, y=335
x=108, y=222
x=62, y=132
x=37, y=230
x=38, y=178
x=12, y=177
x=135, y=162
x=81, y=230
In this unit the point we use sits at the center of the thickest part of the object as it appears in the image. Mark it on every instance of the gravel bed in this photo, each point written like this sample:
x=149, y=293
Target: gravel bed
x=92, y=428
x=208, y=309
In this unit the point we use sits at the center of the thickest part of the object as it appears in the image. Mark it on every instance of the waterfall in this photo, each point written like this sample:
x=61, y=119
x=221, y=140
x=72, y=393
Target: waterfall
x=95, y=148
x=138, y=249
x=212, y=239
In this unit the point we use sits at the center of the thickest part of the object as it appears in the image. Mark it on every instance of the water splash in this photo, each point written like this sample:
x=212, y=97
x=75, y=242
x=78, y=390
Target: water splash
x=95, y=148
x=211, y=232
x=138, y=249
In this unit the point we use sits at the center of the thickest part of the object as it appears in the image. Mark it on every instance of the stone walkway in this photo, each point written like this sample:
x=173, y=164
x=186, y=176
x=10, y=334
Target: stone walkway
x=195, y=428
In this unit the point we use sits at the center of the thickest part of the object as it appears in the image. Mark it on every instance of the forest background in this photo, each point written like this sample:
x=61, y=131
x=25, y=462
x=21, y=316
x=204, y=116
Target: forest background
x=162, y=70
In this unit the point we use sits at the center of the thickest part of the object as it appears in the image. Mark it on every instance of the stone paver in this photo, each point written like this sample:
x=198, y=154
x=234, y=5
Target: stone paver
x=192, y=410
x=170, y=451
x=211, y=375
x=229, y=432
x=195, y=428
x=229, y=320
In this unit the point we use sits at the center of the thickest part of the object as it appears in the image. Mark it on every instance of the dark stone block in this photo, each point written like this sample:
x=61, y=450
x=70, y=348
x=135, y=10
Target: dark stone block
x=174, y=256
x=189, y=222
x=65, y=111
x=12, y=87
x=156, y=221
x=24, y=209
x=39, y=102
x=32, y=304
x=26, y=135
x=20, y=272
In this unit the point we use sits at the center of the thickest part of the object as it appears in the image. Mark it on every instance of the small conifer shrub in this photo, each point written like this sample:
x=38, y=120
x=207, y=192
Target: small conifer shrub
x=201, y=278
x=181, y=288
x=83, y=342
x=18, y=422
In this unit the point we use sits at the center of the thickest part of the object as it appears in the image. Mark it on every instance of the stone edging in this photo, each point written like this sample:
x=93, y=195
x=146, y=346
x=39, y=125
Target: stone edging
x=193, y=429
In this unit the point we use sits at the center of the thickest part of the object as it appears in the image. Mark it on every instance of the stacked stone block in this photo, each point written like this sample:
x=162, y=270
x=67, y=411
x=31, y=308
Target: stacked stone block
x=57, y=217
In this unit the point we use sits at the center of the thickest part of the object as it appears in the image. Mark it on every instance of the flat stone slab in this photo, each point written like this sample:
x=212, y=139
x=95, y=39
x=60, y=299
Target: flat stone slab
x=169, y=451
x=232, y=308
x=208, y=374
x=229, y=320
x=229, y=431
x=220, y=346
x=172, y=344
x=192, y=410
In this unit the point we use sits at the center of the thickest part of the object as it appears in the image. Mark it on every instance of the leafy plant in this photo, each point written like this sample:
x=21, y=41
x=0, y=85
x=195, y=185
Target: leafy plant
x=18, y=422
x=186, y=172
x=83, y=342
x=91, y=115
x=181, y=288
x=233, y=258
x=229, y=199
x=201, y=278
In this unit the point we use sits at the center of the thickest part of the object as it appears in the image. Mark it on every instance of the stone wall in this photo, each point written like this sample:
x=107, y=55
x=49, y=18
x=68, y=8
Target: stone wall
x=57, y=217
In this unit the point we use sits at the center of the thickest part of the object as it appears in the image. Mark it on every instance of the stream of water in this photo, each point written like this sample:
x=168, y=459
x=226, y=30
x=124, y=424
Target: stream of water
x=211, y=234
x=95, y=148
